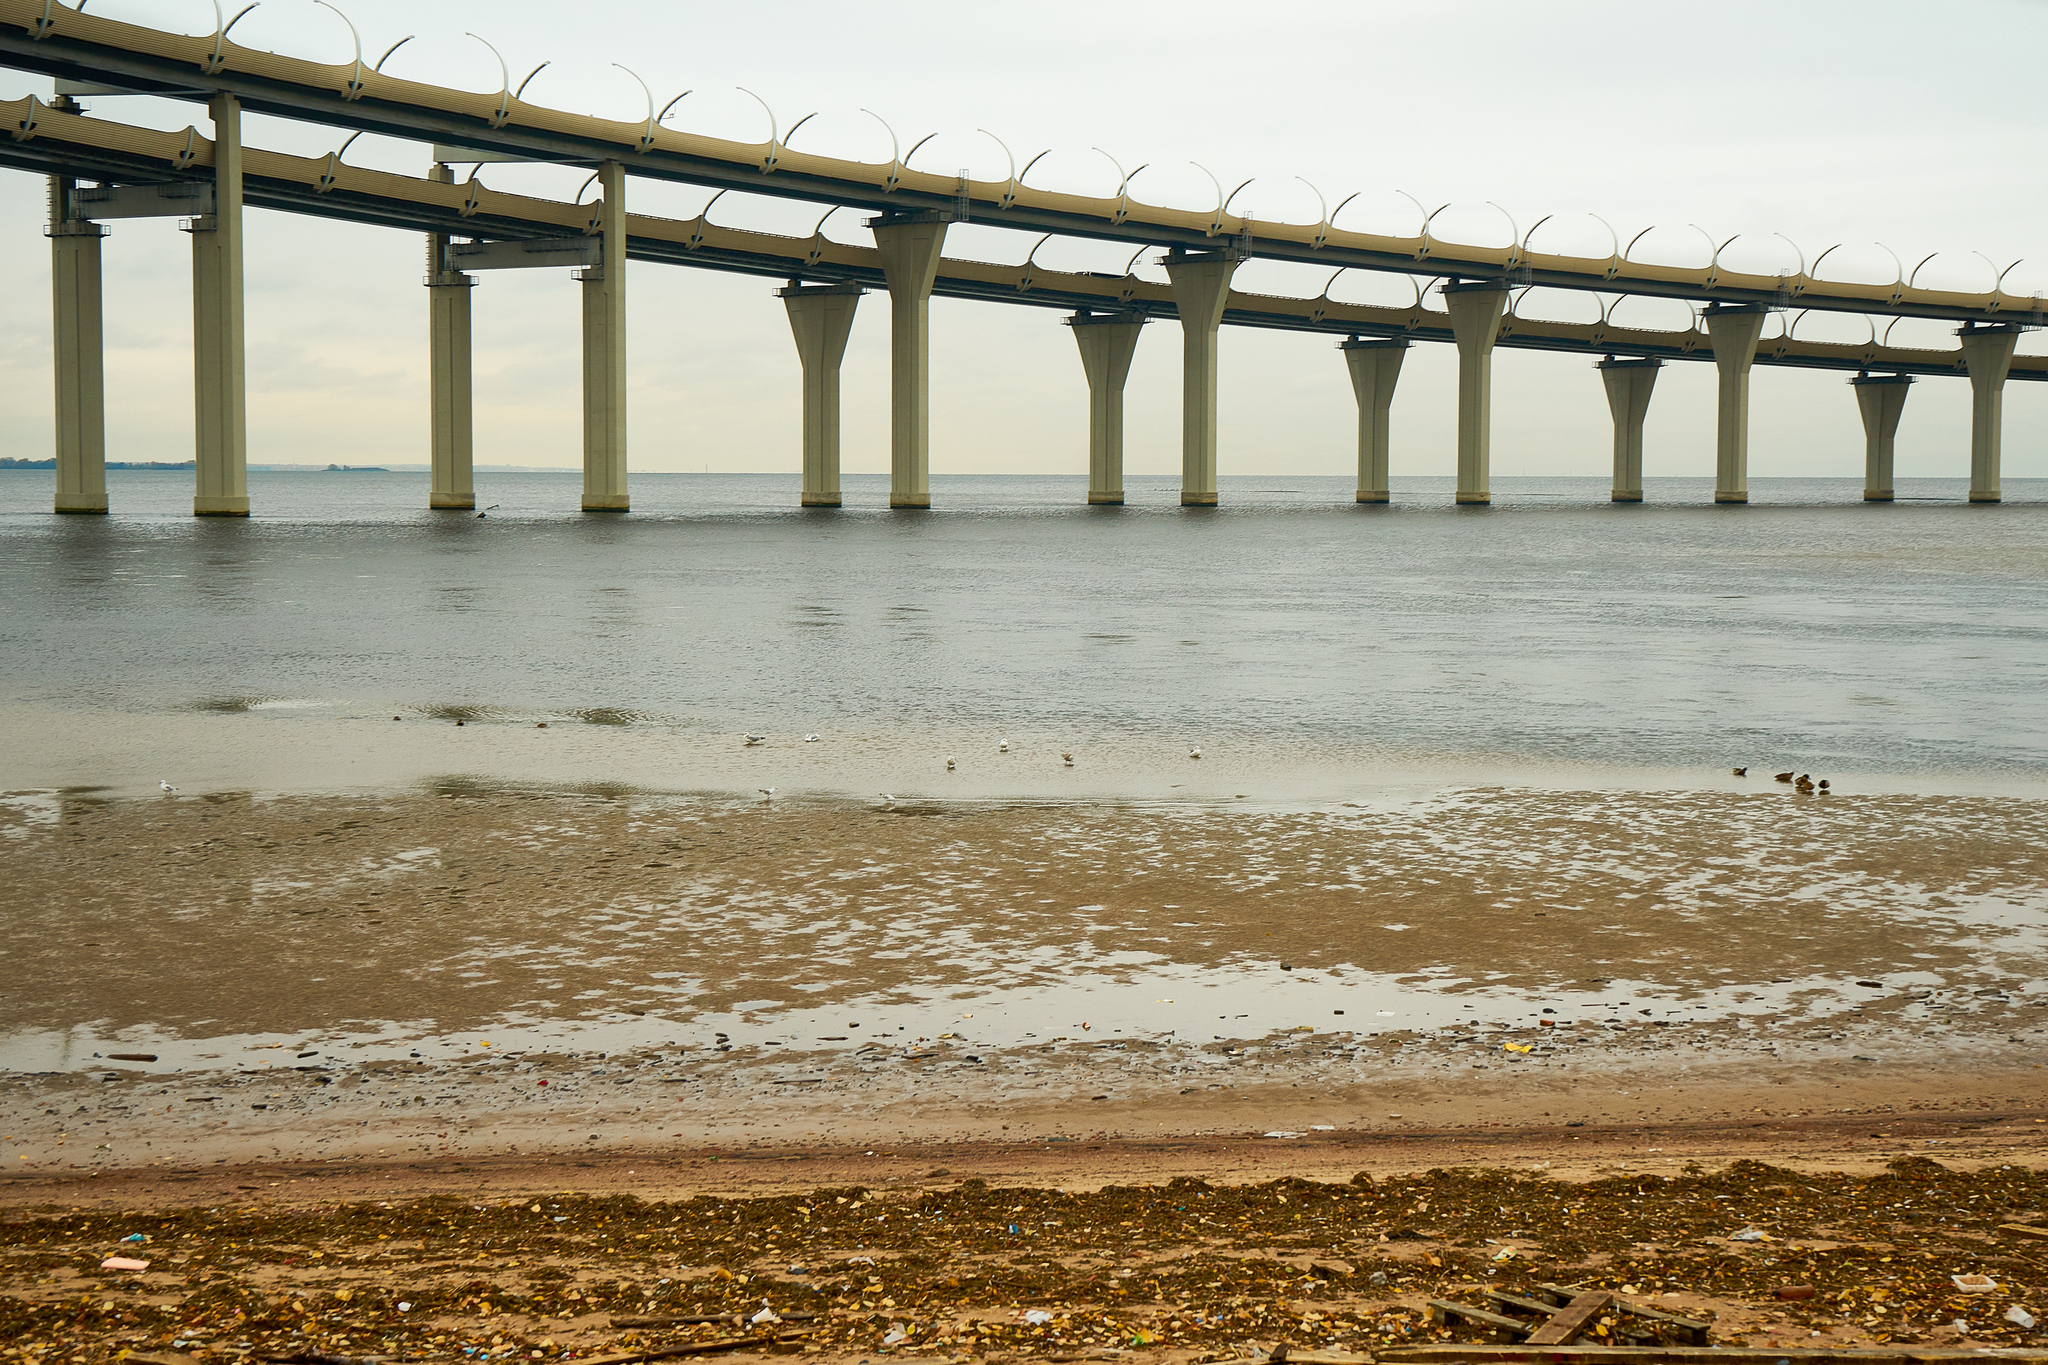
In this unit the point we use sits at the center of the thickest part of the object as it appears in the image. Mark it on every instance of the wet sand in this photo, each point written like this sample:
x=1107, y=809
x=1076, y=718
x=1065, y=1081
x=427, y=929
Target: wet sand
x=477, y=969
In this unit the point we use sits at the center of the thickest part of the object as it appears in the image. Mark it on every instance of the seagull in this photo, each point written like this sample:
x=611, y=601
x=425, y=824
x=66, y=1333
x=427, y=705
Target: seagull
x=810, y=739
x=165, y=786
x=1740, y=772
x=1782, y=777
x=888, y=801
x=949, y=763
x=768, y=793
x=1002, y=746
x=1068, y=759
x=752, y=740
x=1194, y=753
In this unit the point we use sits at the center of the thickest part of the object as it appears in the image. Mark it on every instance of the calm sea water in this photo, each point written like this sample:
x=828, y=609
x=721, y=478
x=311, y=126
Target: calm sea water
x=1905, y=639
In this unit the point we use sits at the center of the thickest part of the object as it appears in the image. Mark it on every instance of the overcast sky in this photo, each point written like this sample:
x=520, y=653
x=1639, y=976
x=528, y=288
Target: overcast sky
x=1825, y=121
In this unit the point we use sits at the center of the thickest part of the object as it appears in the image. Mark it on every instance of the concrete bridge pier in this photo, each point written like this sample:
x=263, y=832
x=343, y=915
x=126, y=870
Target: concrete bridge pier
x=77, y=327
x=1201, y=290
x=604, y=352
x=1988, y=353
x=1628, y=384
x=449, y=387
x=220, y=384
x=1476, y=308
x=1880, y=398
x=1732, y=331
x=1375, y=365
x=910, y=244
x=1107, y=342
x=820, y=317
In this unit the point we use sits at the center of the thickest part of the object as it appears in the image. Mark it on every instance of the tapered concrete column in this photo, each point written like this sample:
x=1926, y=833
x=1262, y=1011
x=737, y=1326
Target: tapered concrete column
x=1988, y=353
x=220, y=385
x=1375, y=365
x=1107, y=342
x=820, y=317
x=1476, y=310
x=1201, y=291
x=604, y=353
x=1733, y=332
x=1628, y=385
x=910, y=244
x=80, y=356
x=1880, y=398
x=449, y=388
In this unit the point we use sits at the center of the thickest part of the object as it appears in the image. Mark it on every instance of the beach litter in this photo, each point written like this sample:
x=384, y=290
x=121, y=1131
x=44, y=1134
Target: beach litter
x=123, y=1263
x=2020, y=1317
x=1749, y=1235
x=1974, y=1284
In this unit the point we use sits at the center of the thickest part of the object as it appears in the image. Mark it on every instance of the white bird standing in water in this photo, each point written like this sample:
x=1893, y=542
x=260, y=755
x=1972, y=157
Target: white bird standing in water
x=752, y=740
x=165, y=785
x=810, y=739
x=1194, y=753
x=1002, y=746
x=949, y=763
x=888, y=801
x=767, y=793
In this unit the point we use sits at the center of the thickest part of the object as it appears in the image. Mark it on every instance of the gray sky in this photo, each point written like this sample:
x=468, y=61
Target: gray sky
x=1825, y=121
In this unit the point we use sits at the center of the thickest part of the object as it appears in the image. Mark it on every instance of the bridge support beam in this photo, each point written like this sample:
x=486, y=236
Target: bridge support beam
x=1476, y=308
x=910, y=244
x=1880, y=398
x=1733, y=331
x=1628, y=384
x=220, y=384
x=604, y=353
x=1201, y=291
x=1988, y=353
x=448, y=368
x=1107, y=342
x=820, y=317
x=80, y=353
x=1375, y=365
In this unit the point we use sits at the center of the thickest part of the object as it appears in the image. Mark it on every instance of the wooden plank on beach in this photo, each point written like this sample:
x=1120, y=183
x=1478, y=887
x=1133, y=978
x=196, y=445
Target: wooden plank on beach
x=1695, y=1330
x=2024, y=1229
x=1440, y=1309
x=1572, y=1319
x=693, y=1348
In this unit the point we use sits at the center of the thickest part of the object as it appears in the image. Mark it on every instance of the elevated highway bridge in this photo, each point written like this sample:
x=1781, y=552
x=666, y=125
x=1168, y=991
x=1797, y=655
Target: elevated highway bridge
x=101, y=168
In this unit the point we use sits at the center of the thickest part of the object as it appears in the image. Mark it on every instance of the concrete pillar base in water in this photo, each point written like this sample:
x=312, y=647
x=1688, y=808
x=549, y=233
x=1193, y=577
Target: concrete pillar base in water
x=910, y=245
x=1988, y=353
x=1107, y=342
x=220, y=455
x=1880, y=398
x=77, y=328
x=1201, y=291
x=820, y=317
x=1628, y=384
x=450, y=412
x=1733, y=333
x=1476, y=308
x=604, y=354
x=1375, y=365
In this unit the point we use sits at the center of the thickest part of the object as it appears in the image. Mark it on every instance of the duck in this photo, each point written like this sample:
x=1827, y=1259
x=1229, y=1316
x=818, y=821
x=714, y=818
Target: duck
x=1782, y=777
x=1067, y=759
x=1740, y=772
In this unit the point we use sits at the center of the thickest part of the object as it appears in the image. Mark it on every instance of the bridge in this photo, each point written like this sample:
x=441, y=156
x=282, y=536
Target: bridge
x=101, y=169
